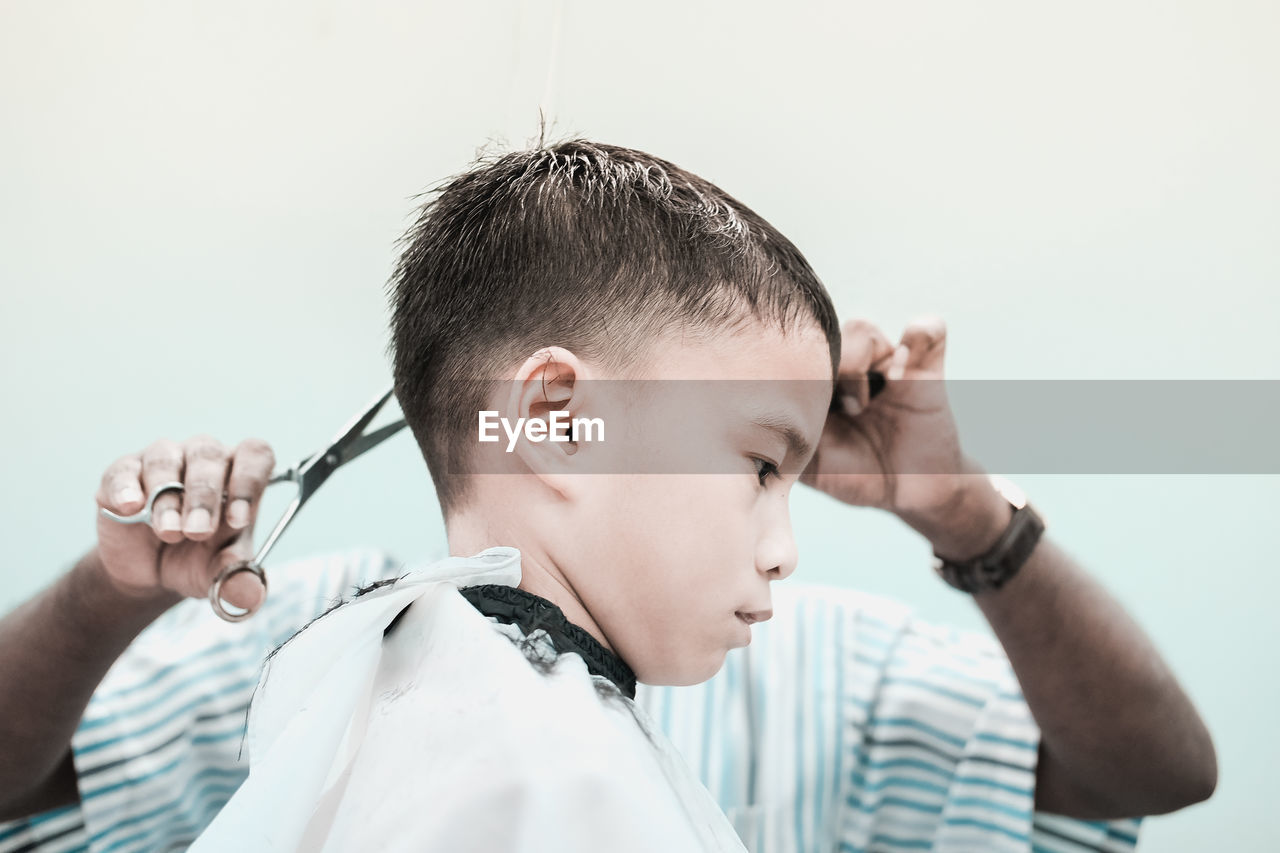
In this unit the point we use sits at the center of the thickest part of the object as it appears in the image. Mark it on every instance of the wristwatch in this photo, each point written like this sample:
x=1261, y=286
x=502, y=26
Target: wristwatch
x=993, y=569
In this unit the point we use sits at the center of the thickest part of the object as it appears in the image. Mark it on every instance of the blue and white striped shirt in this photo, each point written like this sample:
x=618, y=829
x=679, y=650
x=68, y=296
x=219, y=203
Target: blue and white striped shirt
x=846, y=725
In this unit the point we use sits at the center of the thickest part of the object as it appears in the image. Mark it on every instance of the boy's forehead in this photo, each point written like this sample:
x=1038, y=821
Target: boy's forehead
x=760, y=379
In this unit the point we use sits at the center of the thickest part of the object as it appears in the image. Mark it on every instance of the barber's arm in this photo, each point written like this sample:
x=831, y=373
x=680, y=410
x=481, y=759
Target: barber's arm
x=1119, y=737
x=56, y=647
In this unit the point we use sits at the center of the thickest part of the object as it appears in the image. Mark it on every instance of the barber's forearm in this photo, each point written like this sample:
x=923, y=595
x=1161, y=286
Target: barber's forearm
x=54, y=651
x=1119, y=735
x=1112, y=715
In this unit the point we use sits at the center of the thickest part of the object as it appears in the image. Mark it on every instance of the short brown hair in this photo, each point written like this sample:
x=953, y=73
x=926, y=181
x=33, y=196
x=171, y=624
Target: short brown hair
x=592, y=247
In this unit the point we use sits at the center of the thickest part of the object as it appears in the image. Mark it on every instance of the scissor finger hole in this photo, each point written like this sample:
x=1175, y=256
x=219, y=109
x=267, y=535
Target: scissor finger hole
x=143, y=516
x=162, y=490
x=220, y=607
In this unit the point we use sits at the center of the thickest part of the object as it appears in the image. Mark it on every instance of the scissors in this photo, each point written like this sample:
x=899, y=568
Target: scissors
x=309, y=475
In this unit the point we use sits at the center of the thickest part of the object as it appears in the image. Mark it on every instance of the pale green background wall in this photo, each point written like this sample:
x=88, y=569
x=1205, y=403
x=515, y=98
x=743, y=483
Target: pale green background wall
x=198, y=203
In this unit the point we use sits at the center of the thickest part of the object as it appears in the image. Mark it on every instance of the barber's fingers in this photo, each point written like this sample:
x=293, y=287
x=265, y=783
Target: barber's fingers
x=204, y=476
x=862, y=346
x=127, y=551
x=251, y=469
x=163, y=462
x=190, y=568
x=925, y=340
x=121, y=487
x=168, y=555
x=242, y=589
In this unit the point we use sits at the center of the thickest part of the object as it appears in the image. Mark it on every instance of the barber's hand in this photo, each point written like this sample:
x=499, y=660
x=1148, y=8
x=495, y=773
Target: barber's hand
x=899, y=451
x=194, y=533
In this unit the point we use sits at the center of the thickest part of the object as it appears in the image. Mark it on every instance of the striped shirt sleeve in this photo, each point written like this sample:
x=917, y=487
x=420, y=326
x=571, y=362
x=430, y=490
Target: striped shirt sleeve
x=158, y=750
x=947, y=747
x=56, y=831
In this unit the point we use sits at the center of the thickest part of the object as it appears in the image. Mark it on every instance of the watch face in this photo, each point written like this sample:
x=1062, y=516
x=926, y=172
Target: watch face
x=1011, y=492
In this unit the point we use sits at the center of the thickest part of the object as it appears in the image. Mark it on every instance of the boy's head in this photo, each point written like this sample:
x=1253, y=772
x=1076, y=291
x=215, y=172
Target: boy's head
x=581, y=261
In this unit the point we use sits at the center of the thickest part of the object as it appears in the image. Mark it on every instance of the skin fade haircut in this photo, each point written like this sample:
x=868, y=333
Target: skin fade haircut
x=599, y=249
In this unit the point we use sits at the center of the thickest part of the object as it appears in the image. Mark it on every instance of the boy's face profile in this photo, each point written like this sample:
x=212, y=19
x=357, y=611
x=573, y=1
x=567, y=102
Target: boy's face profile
x=666, y=564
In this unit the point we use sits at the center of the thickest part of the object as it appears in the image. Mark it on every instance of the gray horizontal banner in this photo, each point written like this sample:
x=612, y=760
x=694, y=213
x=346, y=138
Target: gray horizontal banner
x=1225, y=426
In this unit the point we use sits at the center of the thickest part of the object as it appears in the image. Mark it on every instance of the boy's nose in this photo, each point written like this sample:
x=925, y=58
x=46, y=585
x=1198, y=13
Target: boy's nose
x=782, y=571
x=784, y=557
x=776, y=554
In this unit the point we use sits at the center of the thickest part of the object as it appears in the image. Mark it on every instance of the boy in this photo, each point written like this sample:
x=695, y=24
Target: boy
x=551, y=269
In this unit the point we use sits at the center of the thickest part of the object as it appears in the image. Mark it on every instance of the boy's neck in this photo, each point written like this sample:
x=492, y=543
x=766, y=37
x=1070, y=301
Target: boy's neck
x=539, y=575
x=556, y=590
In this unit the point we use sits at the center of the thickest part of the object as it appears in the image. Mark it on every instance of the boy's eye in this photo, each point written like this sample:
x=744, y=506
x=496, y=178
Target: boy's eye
x=764, y=469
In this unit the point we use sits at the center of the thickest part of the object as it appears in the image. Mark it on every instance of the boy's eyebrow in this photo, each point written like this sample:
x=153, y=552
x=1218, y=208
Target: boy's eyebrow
x=797, y=444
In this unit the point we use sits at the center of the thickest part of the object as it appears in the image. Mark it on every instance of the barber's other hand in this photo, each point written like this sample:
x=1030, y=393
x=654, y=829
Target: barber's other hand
x=194, y=533
x=900, y=450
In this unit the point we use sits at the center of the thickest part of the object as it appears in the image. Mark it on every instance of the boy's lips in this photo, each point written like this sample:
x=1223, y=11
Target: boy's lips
x=753, y=616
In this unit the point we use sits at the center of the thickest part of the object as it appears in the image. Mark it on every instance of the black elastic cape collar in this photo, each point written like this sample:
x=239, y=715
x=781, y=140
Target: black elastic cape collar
x=513, y=605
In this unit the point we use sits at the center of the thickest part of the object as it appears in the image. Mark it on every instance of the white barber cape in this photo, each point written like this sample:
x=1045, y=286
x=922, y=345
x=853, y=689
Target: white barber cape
x=444, y=736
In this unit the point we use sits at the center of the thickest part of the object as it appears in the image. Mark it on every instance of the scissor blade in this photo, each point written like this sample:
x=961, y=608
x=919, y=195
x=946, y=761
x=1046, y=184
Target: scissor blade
x=369, y=441
x=288, y=475
x=352, y=431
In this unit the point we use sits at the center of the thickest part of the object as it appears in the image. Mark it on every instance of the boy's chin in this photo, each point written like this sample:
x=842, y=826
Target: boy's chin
x=682, y=673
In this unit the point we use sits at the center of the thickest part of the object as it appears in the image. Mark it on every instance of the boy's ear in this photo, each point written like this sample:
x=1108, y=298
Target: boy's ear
x=550, y=380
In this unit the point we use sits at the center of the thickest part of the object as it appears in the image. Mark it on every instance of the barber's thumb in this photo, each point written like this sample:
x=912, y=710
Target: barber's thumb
x=242, y=589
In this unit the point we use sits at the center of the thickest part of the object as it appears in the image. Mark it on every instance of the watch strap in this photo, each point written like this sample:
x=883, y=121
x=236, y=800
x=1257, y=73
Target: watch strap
x=1002, y=561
